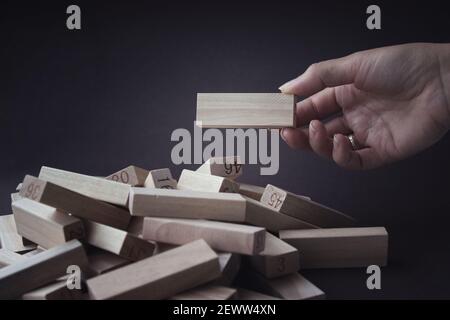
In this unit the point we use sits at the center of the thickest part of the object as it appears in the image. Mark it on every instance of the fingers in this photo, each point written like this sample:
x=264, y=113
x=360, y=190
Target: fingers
x=344, y=155
x=318, y=139
x=330, y=73
x=296, y=138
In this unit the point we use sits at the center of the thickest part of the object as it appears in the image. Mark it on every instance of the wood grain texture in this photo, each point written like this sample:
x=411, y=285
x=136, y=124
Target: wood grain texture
x=193, y=180
x=227, y=167
x=117, y=241
x=92, y=187
x=160, y=179
x=207, y=292
x=277, y=259
x=131, y=175
x=259, y=214
x=251, y=191
x=9, y=238
x=172, y=272
x=41, y=269
x=245, y=294
x=55, y=291
x=303, y=209
x=245, y=110
x=76, y=204
x=340, y=247
x=187, y=204
x=228, y=237
x=9, y=257
x=230, y=264
x=45, y=225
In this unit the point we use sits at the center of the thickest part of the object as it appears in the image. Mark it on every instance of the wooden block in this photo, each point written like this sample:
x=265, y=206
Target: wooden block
x=162, y=247
x=339, y=248
x=33, y=252
x=55, y=291
x=306, y=210
x=117, y=241
x=9, y=257
x=187, y=204
x=278, y=258
x=251, y=191
x=131, y=175
x=227, y=167
x=74, y=203
x=41, y=269
x=45, y=225
x=244, y=294
x=229, y=237
x=262, y=215
x=207, y=292
x=101, y=261
x=19, y=186
x=171, y=272
x=136, y=225
x=230, y=263
x=192, y=180
x=9, y=238
x=15, y=196
x=290, y=287
x=245, y=110
x=92, y=187
x=160, y=179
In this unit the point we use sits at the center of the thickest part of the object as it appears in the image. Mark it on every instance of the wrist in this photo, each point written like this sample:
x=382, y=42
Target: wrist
x=443, y=53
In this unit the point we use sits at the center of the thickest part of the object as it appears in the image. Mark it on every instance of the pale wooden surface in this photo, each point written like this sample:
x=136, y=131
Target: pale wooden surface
x=222, y=236
x=303, y=209
x=172, y=272
x=9, y=238
x=74, y=203
x=15, y=196
x=33, y=252
x=131, y=175
x=117, y=241
x=55, y=291
x=245, y=110
x=161, y=179
x=339, y=247
x=93, y=187
x=245, y=294
x=230, y=264
x=207, y=292
x=228, y=167
x=193, y=180
x=251, y=191
x=277, y=259
x=187, y=204
x=9, y=257
x=40, y=269
x=264, y=216
x=45, y=225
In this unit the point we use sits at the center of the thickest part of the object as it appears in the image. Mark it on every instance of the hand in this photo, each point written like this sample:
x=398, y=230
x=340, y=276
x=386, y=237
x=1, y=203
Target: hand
x=394, y=100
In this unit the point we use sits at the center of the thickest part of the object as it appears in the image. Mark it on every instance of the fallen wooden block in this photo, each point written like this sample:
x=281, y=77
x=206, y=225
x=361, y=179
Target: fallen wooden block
x=222, y=236
x=306, y=210
x=9, y=257
x=245, y=110
x=162, y=247
x=207, y=292
x=244, y=294
x=264, y=216
x=277, y=259
x=339, y=248
x=136, y=225
x=15, y=196
x=230, y=263
x=187, y=204
x=74, y=203
x=45, y=225
x=289, y=287
x=131, y=175
x=172, y=272
x=55, y=291
x=192, y=180
x=251, y=191
x=33, y=252
x=9, y=238
x=160, y=179
x=117, y=241
x=227, y=167
x=92, y=187
x=101, y=261
x=41, y=269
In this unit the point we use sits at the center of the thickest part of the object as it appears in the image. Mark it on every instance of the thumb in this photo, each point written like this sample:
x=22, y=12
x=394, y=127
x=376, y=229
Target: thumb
x=318, y=76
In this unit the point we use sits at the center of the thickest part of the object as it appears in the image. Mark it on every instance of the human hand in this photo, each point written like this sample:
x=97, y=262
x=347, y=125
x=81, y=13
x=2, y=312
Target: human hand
x=394, y=100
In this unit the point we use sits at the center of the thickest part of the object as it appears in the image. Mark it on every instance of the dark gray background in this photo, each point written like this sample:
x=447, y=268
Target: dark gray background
x=96, y=100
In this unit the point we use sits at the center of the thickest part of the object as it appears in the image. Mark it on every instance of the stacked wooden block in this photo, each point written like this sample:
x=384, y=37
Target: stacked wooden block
x=140, y=234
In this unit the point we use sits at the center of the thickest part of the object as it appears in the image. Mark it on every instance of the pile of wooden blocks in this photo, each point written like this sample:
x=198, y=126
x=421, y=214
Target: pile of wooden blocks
x=140, y=234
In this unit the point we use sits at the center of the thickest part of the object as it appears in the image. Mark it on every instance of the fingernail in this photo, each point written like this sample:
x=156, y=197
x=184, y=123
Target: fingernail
x=285, y=87
x=282, y=134
x=335, y=139
x=313, y=125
